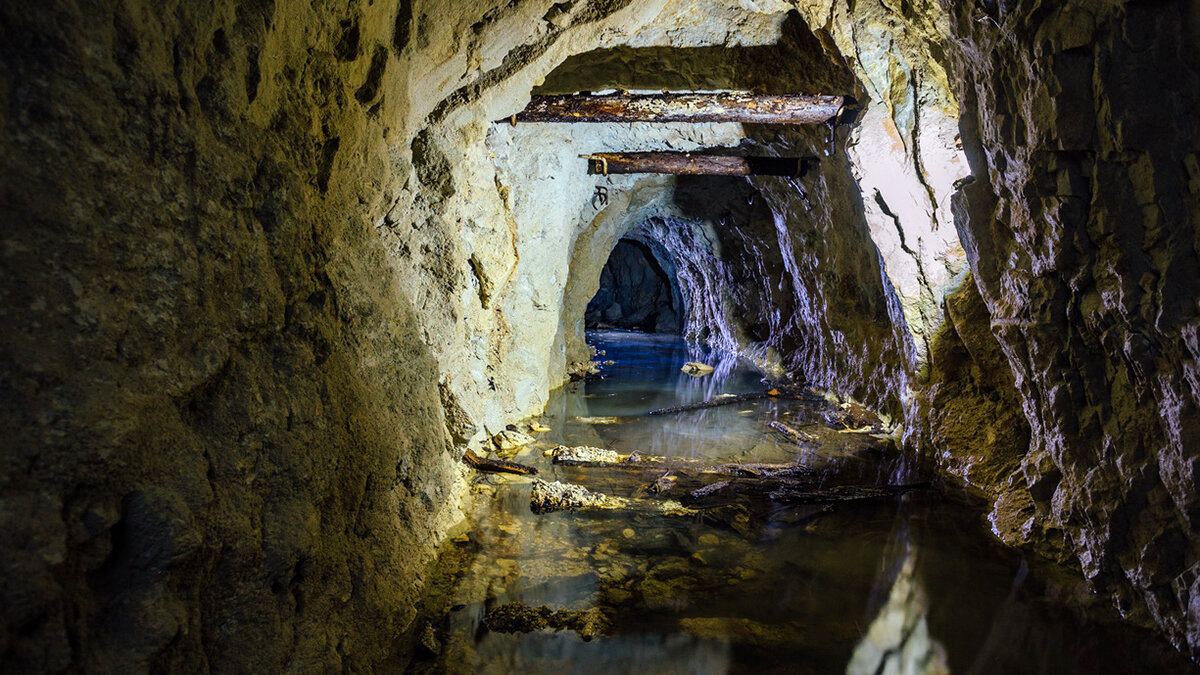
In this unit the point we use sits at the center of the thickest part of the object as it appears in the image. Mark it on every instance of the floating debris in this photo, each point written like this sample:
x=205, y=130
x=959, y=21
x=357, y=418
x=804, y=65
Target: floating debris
x=496, y=465
x=599, y=420
x=801, y=494
x=510, y=439
x=588, y=456
x=557, y=496
x=662, y=485
x=793, y=434
x=585, y=455
x=723, y=399
x=516, y=617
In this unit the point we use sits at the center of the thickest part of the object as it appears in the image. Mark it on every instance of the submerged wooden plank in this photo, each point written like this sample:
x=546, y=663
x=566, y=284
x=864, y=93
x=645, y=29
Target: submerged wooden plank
x=496, y=465
x=586, y=456
x=695, y=108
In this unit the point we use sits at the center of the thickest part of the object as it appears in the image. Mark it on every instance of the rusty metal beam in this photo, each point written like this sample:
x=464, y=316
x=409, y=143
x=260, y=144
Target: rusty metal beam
x=694, y=164
x=721, y=107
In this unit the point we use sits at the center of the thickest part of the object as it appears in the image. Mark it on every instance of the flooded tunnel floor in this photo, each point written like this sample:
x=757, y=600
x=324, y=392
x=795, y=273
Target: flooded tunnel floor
x=913, y=582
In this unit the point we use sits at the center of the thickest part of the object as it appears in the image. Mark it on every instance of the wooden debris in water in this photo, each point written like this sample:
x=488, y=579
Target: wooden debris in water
x=511, y=439
x=496, y=465
x=663, y=484
x=599, y=420
x=548, y=497
x=723, y=399
x=796, y=493
x=710, y=489
x=516, y=617
x=697, y=369
x=588, y=456
x=792, y=434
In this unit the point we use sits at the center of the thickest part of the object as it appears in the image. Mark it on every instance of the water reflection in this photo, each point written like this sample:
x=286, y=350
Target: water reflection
x=897, y=639
x=895, y=585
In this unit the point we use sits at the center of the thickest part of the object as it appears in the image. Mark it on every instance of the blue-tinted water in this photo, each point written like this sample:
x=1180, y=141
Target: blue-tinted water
x=909, y=584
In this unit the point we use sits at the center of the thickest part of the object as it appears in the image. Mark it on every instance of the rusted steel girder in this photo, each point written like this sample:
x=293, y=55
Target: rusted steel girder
x=722, y=107
x=694, y=164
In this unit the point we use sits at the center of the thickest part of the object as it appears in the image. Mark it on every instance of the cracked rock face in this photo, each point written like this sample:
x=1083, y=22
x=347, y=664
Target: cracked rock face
x=1082, y=232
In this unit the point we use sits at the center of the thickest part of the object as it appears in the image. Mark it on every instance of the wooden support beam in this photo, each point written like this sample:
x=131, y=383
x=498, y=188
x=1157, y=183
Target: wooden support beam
x=694, y=164
x=721, y=107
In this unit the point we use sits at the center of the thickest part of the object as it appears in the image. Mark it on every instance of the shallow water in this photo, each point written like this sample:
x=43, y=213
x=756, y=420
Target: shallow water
x=912, y=582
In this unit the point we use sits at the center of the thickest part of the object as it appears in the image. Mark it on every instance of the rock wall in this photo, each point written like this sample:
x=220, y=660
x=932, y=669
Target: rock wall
x=1082, y=230
x=220, y=451
x=967, y=413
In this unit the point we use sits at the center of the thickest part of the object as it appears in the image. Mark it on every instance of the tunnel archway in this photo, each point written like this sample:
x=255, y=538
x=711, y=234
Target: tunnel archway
x=639, y=290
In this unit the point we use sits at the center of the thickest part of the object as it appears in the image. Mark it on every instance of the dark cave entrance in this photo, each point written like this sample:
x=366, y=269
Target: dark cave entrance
x=638, y=291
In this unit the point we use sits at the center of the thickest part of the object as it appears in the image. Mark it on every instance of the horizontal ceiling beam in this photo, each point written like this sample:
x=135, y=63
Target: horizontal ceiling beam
x=719, y=107
x=695, y=164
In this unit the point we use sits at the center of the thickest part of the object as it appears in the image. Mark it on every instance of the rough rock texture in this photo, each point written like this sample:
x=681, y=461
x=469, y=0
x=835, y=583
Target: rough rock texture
x=1082, y=230
x=968, y=408
x=220, y=452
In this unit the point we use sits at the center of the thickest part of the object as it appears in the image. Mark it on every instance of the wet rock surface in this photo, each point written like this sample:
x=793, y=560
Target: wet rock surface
x=1081, y=228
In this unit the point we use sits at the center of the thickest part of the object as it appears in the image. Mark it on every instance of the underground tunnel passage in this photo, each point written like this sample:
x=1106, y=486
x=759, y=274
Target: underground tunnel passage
x=309, y=360
x=637, y=292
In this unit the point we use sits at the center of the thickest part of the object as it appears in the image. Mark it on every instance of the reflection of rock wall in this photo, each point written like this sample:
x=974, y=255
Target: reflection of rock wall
x=1082, y=231
x=898, y=639
x=635, y=292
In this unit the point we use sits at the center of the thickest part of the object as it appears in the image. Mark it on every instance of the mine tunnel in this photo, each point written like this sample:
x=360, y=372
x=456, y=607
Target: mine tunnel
x=600, y=336
x=639, y=290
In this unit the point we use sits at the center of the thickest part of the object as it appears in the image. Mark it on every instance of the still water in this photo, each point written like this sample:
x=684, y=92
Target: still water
x=909, y=584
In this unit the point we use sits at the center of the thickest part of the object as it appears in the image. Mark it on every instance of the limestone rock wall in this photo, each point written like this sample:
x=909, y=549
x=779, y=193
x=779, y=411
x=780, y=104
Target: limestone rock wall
x=225, y=448
x=1082, y=230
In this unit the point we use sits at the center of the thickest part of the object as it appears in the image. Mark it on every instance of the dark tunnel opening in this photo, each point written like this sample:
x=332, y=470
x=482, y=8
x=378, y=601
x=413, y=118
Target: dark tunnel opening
x=638, y=291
